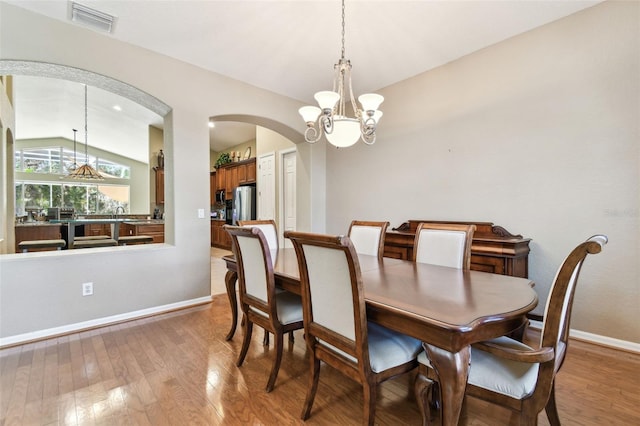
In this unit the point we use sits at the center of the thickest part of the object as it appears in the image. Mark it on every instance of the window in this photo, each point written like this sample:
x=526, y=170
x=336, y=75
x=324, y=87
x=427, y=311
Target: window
x=48, y=160
x=84, y=197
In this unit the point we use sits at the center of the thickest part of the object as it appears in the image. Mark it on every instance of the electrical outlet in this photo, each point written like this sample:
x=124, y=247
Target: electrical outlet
x=200, y=213
x=87, y=289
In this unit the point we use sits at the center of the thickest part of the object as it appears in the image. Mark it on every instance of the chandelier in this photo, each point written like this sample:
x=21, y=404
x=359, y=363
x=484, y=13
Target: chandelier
x=85, y=172
x=331, y=118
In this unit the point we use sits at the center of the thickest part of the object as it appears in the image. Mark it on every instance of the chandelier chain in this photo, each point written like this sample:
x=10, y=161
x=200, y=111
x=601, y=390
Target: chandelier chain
x=342, y=29
x=86, y=129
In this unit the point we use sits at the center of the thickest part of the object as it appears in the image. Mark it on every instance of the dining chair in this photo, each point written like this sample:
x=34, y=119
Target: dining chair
x=509, y=373
x=368, y=237
x=276, y=312
x=268, y=228
x=335, y=321
x=444, y=244
x=270, y=231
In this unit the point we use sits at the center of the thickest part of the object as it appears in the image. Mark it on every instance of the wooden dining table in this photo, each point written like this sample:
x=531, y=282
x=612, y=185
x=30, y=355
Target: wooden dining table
x=447, y=309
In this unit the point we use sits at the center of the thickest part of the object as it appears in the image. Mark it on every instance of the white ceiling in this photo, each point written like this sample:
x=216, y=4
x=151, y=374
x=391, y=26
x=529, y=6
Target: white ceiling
x=294, y=44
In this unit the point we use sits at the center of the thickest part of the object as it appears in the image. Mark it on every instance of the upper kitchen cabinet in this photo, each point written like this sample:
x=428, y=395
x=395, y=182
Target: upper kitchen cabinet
x=231, y=175
x=159, y=185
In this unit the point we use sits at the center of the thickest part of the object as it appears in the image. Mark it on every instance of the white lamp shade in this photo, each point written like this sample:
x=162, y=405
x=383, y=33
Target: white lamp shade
x=346, y=132
x=327, y=99
x=309, y=113
x=370, y=101
x=377, y=115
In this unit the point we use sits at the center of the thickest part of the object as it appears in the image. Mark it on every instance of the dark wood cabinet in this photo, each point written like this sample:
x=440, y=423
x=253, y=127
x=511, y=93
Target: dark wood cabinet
x=212, y=187
x=231, y=175
x=93, y=229
x=219, y=237
x=154, y=230
x=159, y=185
x=44, y=231
x=493, y=249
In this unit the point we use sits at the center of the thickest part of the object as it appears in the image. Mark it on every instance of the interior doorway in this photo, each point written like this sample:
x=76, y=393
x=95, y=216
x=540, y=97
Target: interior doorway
x=288, y=191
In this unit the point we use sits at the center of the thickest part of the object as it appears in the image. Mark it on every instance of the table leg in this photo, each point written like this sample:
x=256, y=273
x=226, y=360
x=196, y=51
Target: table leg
x=230, y=280
x=452, y=370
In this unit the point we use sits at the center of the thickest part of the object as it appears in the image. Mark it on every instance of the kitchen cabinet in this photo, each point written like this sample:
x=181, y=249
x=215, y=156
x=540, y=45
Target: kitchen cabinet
x=219, y=237
x=231, y=182
x=151, y=228
x=159, y=185
x=231, y=175
x=93, y=229
x=212, y=187
x=38, y=231
x=221, y=175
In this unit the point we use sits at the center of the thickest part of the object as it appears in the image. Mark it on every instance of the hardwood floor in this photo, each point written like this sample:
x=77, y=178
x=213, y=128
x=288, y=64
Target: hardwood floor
x=177, y=369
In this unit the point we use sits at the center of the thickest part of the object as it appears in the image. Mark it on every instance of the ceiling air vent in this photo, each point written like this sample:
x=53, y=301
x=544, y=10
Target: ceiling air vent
x=91, y=18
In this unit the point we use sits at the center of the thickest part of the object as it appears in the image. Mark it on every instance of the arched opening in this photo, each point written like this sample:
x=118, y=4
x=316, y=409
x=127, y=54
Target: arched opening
x=26, y=69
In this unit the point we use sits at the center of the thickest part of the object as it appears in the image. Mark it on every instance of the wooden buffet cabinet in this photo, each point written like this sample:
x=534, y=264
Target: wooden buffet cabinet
x=493, y=249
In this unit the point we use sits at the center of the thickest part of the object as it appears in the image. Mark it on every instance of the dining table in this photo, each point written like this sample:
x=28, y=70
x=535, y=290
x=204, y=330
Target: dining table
x=448, y=309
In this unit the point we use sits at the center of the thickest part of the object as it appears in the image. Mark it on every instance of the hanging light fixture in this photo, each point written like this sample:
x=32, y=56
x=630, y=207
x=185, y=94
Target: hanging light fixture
x=85, y=172
x=331, y=118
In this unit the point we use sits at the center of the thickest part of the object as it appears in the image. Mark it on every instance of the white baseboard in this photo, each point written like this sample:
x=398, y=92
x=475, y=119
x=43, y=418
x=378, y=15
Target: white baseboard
x=596, y=339
x=99, y=322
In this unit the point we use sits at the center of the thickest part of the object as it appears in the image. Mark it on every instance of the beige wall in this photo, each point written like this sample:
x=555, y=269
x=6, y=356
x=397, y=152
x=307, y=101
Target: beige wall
x=41, y=293
x=539, y=134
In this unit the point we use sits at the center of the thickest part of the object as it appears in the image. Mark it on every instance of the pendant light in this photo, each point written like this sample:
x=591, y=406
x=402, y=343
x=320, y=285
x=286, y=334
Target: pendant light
x=331, y=118
x=85, y=172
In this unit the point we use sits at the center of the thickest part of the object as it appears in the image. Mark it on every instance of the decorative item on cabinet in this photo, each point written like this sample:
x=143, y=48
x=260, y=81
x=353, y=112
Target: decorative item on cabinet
x=161, y=160
x=223, y=159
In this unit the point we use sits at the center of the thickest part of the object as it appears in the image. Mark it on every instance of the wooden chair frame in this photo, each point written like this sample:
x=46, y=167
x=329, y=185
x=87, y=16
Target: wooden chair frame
x=549, y=355
x=468, y=229
x=245, y=223
x=360, y=370
x=270, y=321
x=383, y=229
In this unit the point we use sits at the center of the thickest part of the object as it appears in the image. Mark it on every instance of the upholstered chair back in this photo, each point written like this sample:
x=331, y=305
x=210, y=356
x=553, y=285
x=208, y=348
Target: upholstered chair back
x=368, y=237
x=444, y=244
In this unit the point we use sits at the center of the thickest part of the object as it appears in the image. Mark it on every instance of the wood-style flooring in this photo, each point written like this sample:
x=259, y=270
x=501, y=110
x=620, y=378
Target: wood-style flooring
x=177, y=369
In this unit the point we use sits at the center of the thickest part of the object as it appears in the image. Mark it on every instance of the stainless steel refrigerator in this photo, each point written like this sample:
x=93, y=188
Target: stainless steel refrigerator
x=244, y=204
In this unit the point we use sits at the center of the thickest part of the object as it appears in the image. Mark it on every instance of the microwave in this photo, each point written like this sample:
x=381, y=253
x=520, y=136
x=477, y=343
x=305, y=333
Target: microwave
x=220, y=196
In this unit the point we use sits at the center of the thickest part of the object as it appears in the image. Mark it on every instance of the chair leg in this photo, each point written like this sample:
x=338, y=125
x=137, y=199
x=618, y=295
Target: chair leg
x=277, y=339
x=426, y=395
x=313, y=387
x=551, y=409
x=265, y=339
x=291, y=336
x=369, y=391
x=248, y=330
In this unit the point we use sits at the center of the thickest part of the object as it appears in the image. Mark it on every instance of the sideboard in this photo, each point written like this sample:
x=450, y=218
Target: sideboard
x=493, y=249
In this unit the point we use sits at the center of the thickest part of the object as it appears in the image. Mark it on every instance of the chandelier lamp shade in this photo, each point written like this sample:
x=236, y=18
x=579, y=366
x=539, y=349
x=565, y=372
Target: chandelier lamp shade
x=330, y=116
x=84, y=172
